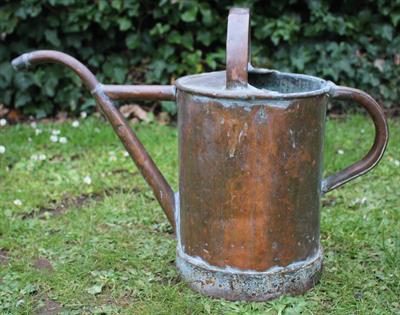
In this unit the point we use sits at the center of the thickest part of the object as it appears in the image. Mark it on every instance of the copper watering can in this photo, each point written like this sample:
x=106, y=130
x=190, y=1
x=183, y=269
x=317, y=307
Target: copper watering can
x=247, y=214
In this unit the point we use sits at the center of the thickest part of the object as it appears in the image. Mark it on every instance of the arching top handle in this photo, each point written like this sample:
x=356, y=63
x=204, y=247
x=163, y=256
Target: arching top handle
x=237, y=48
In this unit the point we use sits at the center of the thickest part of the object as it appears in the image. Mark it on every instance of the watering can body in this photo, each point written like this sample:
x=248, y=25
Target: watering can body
x=250, y=168
x=250, y=186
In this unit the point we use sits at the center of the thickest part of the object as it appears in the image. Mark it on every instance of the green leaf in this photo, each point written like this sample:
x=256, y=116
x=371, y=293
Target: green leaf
x=132, y=41
x=205, y=38
x=157, y=67
x=88, y=104
x=387, y=32
x=6, y=74
x=117, y=4
x=22, y=99
x=40, y=113
x=120, y=74
x=169, y=107
x=174, y=38
x=207, y=15
x=190, y=15
x=124, y=24
x=52, y=37
x=23, y=80
x=159, y=29
x=187, y=41
x=395, y=18
x=50, y=85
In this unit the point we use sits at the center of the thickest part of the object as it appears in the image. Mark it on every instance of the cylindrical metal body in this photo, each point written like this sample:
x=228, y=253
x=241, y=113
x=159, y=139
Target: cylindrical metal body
x=250, y=177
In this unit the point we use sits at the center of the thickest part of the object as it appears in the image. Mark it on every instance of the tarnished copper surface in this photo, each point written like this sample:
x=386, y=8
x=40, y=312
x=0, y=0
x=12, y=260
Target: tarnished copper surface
x=375, y=154
x=140, y=92
x=250, y=180
x=237, y=47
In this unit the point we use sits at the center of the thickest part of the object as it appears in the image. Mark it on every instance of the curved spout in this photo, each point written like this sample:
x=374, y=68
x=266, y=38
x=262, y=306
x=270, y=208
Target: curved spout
x=26, y=61
x=143, y=161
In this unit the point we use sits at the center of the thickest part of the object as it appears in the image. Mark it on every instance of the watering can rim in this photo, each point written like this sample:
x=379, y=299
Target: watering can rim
x=213, y=84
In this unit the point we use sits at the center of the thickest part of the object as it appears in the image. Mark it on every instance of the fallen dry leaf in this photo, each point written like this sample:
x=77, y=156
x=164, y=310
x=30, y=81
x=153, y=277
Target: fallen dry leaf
x=164, y=118
x=3, y=111
x=397, y=59
x=14, y=115
x=378, y=63
x=134, y=110
x=134, y=120
x=61, y=116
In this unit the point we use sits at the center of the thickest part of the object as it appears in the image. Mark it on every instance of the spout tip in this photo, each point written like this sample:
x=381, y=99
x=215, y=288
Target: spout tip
x=21, y=63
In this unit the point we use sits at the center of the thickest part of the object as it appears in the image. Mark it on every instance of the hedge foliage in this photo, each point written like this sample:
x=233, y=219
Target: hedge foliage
x=349, y=42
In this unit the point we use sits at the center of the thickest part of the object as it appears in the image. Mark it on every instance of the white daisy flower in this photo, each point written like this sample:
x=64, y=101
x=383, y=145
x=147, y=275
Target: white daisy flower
x=38, y=157
x=75, y=124
x=341, y=152
x=87, y=180
x=53, y=138
x=63, y=140
x=18, y=202
x=83, y=115
x=41, y=157
x=55, y=132
x=38, y=131
x=3, y=122
x=2, y=149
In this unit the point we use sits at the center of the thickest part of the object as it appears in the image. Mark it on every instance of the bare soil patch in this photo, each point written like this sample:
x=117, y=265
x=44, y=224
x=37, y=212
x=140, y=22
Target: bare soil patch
x=69, y=202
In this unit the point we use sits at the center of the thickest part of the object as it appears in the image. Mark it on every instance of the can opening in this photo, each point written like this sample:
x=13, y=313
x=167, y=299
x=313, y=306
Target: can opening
x=262, y=84
x=283, y=83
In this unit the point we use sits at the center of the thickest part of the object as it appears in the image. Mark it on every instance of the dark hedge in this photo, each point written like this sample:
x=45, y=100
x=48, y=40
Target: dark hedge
x=354, y=43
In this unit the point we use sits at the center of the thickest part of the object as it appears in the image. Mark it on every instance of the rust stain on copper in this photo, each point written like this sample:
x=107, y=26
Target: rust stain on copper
x=247, y=205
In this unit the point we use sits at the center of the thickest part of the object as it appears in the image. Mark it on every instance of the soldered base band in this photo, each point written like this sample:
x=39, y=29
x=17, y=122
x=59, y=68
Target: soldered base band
x=235, y=285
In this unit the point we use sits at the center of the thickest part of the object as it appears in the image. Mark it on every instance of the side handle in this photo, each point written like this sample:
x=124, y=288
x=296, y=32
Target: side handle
x=136, y=150
x=371, y=159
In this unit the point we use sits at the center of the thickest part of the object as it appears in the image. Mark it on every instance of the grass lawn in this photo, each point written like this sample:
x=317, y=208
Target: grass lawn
x=80, y=231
